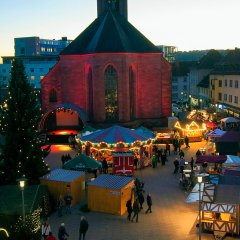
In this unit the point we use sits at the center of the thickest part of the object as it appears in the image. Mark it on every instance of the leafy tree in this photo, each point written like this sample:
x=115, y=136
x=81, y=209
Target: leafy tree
x=21, y=153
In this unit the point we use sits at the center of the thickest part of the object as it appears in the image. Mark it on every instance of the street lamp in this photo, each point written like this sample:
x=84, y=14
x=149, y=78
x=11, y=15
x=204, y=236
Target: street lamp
x=22, y=182
x=199, y=180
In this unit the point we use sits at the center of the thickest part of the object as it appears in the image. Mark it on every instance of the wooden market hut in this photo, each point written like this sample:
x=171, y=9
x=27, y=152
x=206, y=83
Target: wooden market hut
x=220, y=208
x=109, y=193
x=60, y=181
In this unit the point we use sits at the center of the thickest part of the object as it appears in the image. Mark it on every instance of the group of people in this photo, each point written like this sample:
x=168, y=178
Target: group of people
x=135, y=207
x=62, y=232
x=67, y=201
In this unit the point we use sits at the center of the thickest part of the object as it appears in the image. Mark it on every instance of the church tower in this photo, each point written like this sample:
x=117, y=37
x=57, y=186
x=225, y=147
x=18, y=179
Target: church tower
x=119, y=6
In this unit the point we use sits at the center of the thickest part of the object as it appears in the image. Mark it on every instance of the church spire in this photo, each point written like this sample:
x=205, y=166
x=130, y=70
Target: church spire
x=119, y=6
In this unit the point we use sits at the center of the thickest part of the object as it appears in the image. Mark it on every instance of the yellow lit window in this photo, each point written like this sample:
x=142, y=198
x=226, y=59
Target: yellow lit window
x=32, y=77
x=41, y=77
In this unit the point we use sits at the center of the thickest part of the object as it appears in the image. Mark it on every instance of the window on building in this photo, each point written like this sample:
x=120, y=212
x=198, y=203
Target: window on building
x=111, y=94
x=32, y=78
x=184, y=88
x=53, y=96
x=4, y=78
x=22, y=51
x=41, y=69
x=225, y=97
x=236, y=83
x=225, y=83
x=220, y=83
x=31, y=69
x=3, y=70
x=41, y=77
x=236, y=99
x=174, y=88
x=230, y=98
x=231, y=83
x=220, y=96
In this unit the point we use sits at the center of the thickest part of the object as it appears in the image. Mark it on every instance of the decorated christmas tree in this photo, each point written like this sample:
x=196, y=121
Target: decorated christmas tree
x=21, y=152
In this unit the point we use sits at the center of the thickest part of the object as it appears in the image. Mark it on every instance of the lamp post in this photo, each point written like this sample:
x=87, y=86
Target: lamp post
x=22, y=182
x=199, y=179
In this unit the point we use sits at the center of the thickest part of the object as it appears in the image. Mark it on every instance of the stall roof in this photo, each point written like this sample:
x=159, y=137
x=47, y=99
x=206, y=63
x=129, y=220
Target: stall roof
x=232, y=160
x=230, y=136
x=62, y=175
x=211, y=159
x=111, y=181
x=229, y=194
x=216, y=133
x=82, y=161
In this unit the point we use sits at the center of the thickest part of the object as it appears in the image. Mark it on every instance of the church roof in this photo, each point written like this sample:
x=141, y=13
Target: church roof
x=110, y=33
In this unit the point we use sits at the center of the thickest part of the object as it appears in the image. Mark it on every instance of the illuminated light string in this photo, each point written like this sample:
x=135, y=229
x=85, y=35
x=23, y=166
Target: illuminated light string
x=189, y=127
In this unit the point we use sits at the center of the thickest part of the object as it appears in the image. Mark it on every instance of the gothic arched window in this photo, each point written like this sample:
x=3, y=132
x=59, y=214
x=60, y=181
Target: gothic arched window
x=53, y=96
x=90, y=94
x=111, y=94
x=132, y=86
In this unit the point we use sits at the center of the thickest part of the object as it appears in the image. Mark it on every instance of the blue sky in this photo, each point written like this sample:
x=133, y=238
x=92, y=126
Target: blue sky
x=187, y=24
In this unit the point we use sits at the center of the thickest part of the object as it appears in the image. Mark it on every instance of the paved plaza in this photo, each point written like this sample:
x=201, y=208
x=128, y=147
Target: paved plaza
x=171, y=219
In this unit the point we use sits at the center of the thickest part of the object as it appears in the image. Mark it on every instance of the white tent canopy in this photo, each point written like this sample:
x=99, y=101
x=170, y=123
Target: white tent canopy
x=230, y=120
x=194, y=195
x=216, y=133
x=232, y=161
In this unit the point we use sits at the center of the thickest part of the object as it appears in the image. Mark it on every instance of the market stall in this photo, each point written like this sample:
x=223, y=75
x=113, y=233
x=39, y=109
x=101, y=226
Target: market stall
x=109, y=193
x=193, y=130
x=123, y=163
x=220, y=208
x=61, y=181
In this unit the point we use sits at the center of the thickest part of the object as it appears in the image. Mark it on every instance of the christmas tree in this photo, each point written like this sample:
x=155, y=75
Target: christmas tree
x=20, y=114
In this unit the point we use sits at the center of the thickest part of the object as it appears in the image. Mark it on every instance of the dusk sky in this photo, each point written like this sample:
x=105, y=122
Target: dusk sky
x=186, y=24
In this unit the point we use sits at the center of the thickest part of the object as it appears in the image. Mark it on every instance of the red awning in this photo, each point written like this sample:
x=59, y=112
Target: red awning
x=211, y=159
x=210, y=124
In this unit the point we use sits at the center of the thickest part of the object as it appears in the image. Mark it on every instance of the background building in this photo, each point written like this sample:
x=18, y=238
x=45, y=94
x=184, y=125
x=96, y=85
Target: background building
x=111, y=73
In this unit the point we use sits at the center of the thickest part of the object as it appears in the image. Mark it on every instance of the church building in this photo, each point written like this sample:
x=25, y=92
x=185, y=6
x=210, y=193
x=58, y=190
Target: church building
x=110, y=74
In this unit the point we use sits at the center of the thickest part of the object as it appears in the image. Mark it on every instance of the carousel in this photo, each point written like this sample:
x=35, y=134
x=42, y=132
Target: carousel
x=103, y=144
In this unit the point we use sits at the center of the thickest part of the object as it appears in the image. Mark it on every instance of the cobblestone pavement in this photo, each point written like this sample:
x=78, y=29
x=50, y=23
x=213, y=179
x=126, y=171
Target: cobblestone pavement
x=171, y=219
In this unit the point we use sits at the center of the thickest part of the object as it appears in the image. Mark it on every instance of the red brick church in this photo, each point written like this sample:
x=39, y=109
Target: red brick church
x=109, y=74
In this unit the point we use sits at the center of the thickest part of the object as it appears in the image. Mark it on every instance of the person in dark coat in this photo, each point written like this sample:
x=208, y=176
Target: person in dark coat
x=83, y=228
x=129, y=209
x=62, y=233
x=141, y=199
x=136, y=210
x=176, y=166
x=168, y=149
x=135, y=161
x=181, y=154
x=105, y=166
x=149, y=203
x=187, y=142
x=192, y=163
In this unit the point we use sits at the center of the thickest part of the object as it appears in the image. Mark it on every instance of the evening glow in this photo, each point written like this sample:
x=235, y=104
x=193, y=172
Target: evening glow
x=186, y=24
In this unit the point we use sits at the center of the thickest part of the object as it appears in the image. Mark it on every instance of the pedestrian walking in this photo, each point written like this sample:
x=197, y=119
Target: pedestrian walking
x=176, y=166
x=149, y=203
x=168, y=149
x=136, y=210
x=181, y=154
x=83, y=228
x=50, y=237
x=62, y=233
x=141, y=200
x=46, y=229
x=182, y=164
x=60, y=204
x=187, y=142
x=129, y=209
x=192, y=163
x=135, y=161
x=68, y=202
